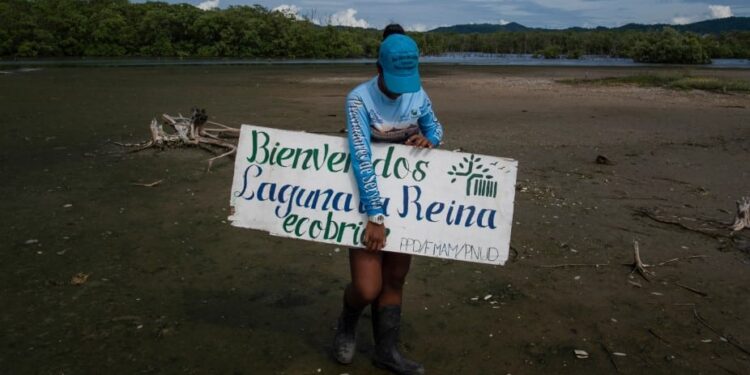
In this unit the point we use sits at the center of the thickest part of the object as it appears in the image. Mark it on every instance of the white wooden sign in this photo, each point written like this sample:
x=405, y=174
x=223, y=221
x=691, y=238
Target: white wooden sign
x=437, y=203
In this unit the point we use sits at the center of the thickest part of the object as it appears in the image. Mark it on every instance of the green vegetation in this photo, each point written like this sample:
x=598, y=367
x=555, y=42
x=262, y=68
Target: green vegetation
x=676, y=82
x=574, y=54
x=113, y=28
x=117, y=28
x=549, y=52
x=669, y=46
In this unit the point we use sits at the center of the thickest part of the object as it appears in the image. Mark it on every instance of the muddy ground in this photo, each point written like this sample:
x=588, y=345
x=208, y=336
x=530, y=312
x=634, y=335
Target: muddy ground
x=175, y=289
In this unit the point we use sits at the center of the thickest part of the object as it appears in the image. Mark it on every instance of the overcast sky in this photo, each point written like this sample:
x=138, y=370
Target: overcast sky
x=427, y=14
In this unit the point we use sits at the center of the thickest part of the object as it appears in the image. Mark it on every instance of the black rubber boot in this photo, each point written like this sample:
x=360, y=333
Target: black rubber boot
x=345, y=341
x=386, y=322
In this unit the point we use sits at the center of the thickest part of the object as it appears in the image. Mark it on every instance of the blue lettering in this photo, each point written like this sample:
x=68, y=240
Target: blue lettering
x=405, y=207
x=244, y=181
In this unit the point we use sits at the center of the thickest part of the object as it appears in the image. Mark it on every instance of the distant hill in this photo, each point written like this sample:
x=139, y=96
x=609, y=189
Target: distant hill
x=481, y=28
x=703, y=27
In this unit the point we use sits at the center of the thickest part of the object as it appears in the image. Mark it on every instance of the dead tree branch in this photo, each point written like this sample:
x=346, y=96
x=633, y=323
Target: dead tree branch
x=190, y=132
x=151, y=184
x=638, y=265
x=696, y=291
x=742, y=218
x=566, y=265
x=653, y=215
x=664, y=263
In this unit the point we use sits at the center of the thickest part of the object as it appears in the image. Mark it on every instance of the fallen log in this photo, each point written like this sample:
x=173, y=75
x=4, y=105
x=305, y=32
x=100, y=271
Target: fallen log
x=190, y=132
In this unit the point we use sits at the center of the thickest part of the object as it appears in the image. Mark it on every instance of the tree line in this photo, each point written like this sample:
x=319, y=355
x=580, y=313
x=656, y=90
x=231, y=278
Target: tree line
x=118, y=28
x=658, y=46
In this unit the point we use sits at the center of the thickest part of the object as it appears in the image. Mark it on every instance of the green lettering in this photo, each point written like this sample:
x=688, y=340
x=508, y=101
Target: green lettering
x=401, y=163
x=255, y=156
x=348, y=163
x=342, y=229
x=284, y=154
x=331, y=228
x=419, y=173
x=312, y=227
x=388, y=156
x=310, y=153
x=356, y=236
x=299, y=224
x=272, y=157
x=336, y=159
x=297, y=153
x=289, y=222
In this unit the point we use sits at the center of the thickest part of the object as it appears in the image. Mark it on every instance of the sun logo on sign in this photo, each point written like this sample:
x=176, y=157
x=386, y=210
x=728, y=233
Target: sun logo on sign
x=479, y=183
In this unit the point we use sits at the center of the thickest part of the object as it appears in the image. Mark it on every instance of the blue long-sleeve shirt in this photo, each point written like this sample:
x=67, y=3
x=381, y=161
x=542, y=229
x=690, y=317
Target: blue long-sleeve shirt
x=370, y=115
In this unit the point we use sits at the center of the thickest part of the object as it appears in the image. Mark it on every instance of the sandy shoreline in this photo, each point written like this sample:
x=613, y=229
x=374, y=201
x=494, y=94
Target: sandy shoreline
x=175, y=289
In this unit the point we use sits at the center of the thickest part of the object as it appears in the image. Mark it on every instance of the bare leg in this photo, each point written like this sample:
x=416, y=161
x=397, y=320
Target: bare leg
x=394, y=270
x=363, y=290
x=367, y=277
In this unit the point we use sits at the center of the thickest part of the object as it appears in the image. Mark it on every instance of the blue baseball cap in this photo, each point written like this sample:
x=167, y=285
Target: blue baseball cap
x=399, y=57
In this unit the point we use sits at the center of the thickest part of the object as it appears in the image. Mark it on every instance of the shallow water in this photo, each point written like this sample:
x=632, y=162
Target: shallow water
x=478, y=59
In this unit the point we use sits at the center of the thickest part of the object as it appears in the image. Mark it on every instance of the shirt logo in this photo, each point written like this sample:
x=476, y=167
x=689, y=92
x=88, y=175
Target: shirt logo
x=405, y=62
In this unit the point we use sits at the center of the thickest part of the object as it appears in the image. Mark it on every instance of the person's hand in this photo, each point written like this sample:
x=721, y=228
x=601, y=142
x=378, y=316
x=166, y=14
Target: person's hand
x=374, y=236
x=419, y=141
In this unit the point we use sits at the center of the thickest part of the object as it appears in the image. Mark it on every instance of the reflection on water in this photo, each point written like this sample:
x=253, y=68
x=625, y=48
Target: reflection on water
x=587, y=60
x=450, y=58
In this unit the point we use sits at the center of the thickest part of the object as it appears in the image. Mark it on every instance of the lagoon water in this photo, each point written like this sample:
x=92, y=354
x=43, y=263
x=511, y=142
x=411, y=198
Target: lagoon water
x=467, y=58
x=587, y=60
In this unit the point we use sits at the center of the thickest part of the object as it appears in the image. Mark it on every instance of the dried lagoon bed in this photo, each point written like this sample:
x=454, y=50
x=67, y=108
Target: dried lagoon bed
x=174, y=289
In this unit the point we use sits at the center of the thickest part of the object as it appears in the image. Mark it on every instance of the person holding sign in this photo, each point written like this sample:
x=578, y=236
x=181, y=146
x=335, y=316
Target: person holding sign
x=391, y=107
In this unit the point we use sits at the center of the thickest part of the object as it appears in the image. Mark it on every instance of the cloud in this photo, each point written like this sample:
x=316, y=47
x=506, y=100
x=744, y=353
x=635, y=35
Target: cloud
x=715, y=11
x=720, y=11
x=208, y=4
x=504, y=22
x=532, y=13
x=347, y=18
x=419, y=27
x=291, y=11
x=681, y=20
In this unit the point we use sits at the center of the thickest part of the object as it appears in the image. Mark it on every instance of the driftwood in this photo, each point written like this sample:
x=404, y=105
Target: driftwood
x=637, y=264
x=742, y=218
x=566, y=265
x=151, y=184
x=696, y=291
x=679, y=259
x=659, y=337
x=641, y=268
x=705, y=228
x=195, y=130
x=725, y=233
